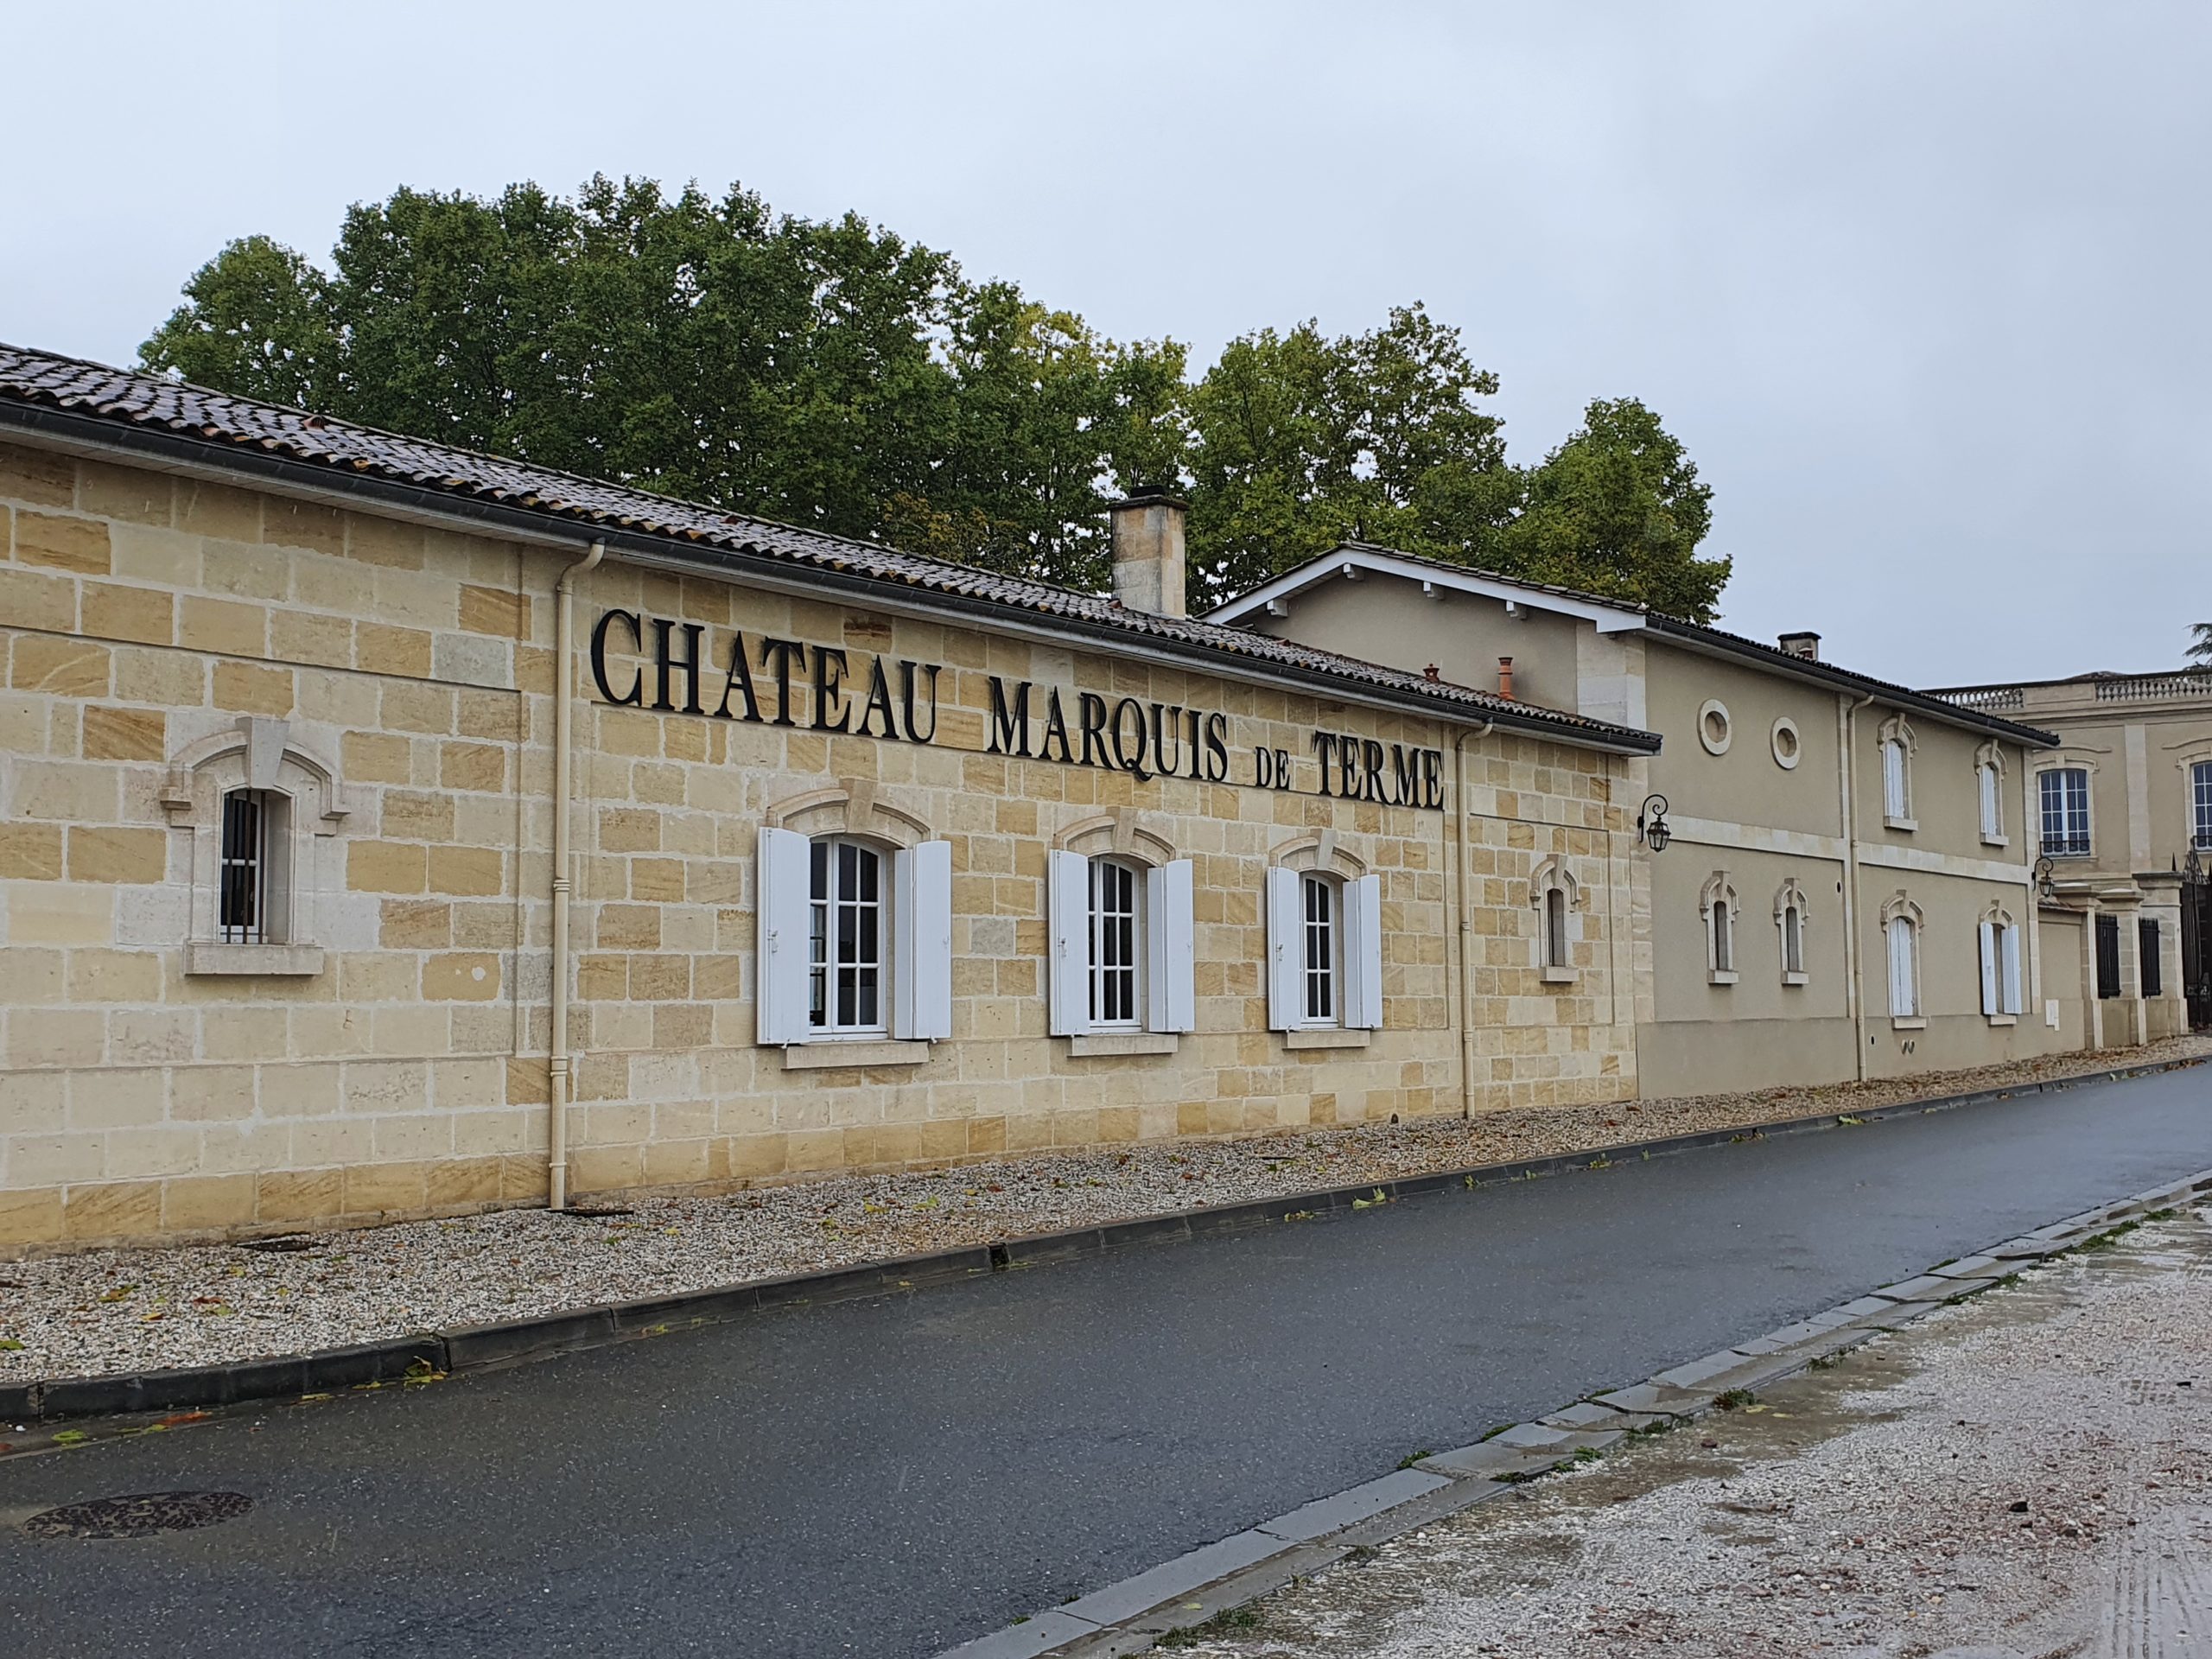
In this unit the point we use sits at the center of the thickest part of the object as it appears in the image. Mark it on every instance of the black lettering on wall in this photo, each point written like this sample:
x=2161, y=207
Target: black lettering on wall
x=665, y=657
x=829, y=713
x=781, y=651
x=1324, y=750
x=1129, y=718
x=1372, y=763
x=914, y=732
x=1092, y=708
x=1217, y=747
x=739, y=680
x=636, y=693
x=1432, y=764
x=1056, y=731
x=1405, y=772
x=1009, y=721
x=1167, y=722
x=879, y=702
x=1348, y=767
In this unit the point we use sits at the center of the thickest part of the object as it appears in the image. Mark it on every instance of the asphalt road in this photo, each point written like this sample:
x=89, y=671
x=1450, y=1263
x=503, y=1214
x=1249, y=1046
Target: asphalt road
x=893, y=1477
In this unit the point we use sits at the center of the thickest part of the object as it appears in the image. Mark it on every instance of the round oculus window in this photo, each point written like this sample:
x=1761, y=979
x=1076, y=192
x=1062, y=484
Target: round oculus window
x=1713, y=727
x=1787, y=746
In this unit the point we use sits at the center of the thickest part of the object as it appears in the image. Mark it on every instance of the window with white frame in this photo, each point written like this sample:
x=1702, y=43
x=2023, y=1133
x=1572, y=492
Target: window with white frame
x=1790, y=913
x=2064, y=795
x=854, y=938
x=1122, y=952
x=1556, y=951
x=2001, y=966
x=1989, y=793
x=1325, y=945
x=2200, y=806
x=1717, y=906
x=1901, y=921
x=845, y=939
x=1896, y=774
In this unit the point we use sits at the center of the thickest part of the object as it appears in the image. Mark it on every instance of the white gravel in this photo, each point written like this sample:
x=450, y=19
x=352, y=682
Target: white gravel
x=143, y=1309
x=2022, y=1477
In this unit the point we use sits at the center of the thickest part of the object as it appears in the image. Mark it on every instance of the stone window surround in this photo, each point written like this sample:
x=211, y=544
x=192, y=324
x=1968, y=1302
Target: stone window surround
x=1550, y=876
x=1707, y=712
x=855, y=809
x=1786, y=742
x=1717, y=892
x=1900, y=904
x=257, y=753
x=1898, y=730
x=1788, y=896
x=2187, y=760
x=2069, y=760
x=1119, y=834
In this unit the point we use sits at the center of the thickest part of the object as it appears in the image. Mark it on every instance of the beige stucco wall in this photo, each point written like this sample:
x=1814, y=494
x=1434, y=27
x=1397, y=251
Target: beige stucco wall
x=141, y=612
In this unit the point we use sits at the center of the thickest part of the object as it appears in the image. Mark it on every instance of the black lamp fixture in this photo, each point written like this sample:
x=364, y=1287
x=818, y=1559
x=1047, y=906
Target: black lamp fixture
x=1651, y=824
x=2045, y=885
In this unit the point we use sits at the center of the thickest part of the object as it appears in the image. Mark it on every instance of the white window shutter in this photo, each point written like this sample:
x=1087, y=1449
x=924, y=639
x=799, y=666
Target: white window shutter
x=921, y=963
x=2009, y=962
x=1171, y=981
x=1900, y=968
x=1363, y=953
x=1067, y=922
x=783, y=882
x=1893, y=778
x=1989, y=968
x=1286, y=920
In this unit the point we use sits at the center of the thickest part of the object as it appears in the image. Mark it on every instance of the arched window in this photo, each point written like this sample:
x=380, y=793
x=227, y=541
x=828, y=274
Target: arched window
x=1320, y=945
x=1717, y=904
x=1989, y=792
x=1901, y=920
x=1325, y=942
x=1557, y=897
x=1122, y=939
x=2000, y=965
x=1790, y=909
x=1896, y=774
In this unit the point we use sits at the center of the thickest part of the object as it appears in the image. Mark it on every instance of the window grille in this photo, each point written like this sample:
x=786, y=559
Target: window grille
x=2107, y=957
x=1320, y=900
x=1115, y=896
x=2065, y=795
x=2148, y=967
x=2200, y=803
x=243, y=914
x=845, y=939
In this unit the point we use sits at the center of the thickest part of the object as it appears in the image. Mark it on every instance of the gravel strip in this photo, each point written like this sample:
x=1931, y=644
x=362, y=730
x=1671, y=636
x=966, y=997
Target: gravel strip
x=103, y=1311
x=2024, y=1477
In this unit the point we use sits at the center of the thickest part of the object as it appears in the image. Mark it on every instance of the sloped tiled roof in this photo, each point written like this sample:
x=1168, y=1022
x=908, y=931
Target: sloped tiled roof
x=68, y=395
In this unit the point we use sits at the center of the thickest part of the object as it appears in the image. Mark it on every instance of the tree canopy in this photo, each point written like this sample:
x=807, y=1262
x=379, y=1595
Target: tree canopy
x=831, y=374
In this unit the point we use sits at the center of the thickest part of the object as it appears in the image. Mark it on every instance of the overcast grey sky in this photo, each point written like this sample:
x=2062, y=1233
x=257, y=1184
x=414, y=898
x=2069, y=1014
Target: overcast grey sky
x=1921, y=283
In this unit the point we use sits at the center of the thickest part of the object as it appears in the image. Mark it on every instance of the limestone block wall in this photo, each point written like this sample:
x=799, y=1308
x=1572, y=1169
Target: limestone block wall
x=405, y=673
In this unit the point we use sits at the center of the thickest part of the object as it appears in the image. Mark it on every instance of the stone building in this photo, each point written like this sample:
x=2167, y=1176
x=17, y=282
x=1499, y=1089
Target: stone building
x=1845, y=885
x=2123, y=820
x=392, y=830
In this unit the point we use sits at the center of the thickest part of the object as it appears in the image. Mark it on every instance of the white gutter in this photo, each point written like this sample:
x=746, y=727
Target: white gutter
x=1464, y=1003
x=1854, y=958
x=564, y=696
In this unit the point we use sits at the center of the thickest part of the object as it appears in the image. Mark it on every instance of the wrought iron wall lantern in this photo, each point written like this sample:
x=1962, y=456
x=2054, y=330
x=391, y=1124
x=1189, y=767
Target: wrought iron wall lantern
x=1651, y=824
x=2045, y=885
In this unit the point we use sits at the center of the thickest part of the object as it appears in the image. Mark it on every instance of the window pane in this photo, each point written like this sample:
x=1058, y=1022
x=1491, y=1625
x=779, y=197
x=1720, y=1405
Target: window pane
x=2200, y=778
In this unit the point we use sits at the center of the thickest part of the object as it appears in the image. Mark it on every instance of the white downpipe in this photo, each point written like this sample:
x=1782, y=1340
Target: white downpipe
x=564, y=693
x=1855, y=958
x=1465, y=1000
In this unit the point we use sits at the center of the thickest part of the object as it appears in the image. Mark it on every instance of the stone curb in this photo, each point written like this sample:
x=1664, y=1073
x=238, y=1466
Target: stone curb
x=473, y=1347
x=1130, y=1616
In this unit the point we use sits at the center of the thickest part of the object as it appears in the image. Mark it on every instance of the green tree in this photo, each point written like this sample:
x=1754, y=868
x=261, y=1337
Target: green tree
x=1618, y=509
x=2199, y=642
x=255, y=322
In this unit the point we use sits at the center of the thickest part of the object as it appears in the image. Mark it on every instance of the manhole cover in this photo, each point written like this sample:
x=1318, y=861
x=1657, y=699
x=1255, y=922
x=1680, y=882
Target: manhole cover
x=138, y=1515
x=286, y=1245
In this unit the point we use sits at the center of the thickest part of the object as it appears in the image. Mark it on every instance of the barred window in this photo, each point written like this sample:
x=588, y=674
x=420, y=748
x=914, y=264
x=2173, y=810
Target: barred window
x=246, y=867
x=1319, y=898
x=1116, y=904
x=845, y=939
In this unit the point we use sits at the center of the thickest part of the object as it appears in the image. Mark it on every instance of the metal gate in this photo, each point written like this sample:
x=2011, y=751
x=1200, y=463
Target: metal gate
x=2196, y=940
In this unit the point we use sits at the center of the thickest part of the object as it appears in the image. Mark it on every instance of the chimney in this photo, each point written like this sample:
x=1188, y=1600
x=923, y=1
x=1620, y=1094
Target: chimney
x=1148, y=553
x=1807, y=646
x=1505, y=676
